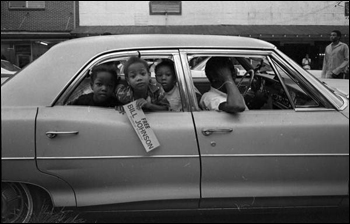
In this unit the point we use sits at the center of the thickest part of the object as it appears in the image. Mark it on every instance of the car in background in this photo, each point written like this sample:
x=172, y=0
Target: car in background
x=8, y=70
x=289, y=150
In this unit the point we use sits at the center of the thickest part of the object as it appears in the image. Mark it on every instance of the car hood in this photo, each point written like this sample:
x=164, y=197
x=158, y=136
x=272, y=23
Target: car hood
x=5, y=72
x=340, y=84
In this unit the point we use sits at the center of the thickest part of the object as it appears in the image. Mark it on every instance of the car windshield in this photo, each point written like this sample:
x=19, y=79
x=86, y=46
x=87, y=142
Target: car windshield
x=9, y=66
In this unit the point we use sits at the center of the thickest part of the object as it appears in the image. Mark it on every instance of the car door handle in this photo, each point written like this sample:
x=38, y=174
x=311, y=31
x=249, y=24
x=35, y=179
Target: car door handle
x=52, y=134
x=208, y=132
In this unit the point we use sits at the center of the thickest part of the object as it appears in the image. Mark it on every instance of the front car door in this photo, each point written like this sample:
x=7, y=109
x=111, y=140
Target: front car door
x=105, y=162
x=283, y=154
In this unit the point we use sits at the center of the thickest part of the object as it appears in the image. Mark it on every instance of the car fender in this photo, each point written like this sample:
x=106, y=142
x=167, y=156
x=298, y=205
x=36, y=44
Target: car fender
x=18, y=162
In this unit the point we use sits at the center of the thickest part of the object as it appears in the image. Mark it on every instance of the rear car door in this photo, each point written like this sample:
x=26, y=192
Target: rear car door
x=104, y=161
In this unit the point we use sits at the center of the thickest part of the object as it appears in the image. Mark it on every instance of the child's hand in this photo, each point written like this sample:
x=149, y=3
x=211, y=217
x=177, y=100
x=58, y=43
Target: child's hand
x=140, y=103
x=120, y=109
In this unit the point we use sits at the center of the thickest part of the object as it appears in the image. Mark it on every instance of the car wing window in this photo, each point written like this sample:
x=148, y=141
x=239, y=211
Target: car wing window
x=297, y=92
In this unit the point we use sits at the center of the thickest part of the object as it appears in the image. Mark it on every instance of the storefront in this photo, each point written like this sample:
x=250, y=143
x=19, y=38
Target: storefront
x=294, y=40
x=21, y=48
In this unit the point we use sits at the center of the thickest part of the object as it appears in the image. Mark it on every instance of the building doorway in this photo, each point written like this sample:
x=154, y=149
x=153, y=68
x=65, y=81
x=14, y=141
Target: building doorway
x=23, y=55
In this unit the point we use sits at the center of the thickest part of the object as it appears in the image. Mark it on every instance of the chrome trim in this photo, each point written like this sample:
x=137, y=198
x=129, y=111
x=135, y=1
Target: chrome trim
x=17, y=158
x=209, y=131
x=275, y=155
x=181, y=83
x=189, y=82
x=220, y=52
x=194, y=156
x=273, y=62
x=300, y=109
x=53, y=134
x=120, y=157
x=346, y=103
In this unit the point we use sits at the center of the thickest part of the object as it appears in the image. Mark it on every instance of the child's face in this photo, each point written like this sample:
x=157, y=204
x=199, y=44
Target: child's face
x=103, y=86
x=166, y=78
x=138, y=76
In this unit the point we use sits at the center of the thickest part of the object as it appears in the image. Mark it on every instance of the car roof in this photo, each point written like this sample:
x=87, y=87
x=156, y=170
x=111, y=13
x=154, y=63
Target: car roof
x=170, y=40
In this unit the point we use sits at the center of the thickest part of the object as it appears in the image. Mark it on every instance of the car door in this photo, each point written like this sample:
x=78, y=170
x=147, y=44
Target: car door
x=271, y=154
x=100, y=155
x=273, y=158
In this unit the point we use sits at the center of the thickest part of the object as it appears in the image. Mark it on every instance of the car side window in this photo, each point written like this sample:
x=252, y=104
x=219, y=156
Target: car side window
x=153, y=61
x=270, y=88
x=84, y=86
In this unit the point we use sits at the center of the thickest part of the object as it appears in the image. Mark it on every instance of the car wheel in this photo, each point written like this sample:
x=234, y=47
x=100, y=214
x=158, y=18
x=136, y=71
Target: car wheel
x=16, y=203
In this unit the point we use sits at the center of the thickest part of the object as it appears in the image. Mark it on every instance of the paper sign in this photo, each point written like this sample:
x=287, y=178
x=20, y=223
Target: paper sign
x=141, y=126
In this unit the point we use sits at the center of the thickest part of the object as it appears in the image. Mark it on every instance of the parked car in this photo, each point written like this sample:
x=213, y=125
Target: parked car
x=289, y=150
x=8, y=70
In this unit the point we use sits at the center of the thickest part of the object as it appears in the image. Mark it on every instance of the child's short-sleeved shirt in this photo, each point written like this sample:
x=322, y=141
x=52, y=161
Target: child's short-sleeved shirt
x=155, y=94
x=212, y=99
x=88, y=100
x=174, y=98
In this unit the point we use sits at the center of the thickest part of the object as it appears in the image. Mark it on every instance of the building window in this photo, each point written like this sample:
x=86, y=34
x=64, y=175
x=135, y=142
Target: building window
x=165, y=7
x=26, y=4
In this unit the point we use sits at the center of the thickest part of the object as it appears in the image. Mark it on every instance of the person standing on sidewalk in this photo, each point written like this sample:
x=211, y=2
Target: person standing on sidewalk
x=306, y=62
x=336, y=57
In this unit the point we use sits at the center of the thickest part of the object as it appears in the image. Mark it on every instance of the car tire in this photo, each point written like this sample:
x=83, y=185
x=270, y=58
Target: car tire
x=16, y=203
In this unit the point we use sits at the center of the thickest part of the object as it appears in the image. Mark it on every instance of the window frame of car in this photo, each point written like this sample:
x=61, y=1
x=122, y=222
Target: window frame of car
x=290, y=73
x=185, y=54
x=77, y=79
x=335, y=101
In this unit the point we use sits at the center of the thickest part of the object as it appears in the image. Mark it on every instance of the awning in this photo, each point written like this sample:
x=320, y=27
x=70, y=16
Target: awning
x=260, y=31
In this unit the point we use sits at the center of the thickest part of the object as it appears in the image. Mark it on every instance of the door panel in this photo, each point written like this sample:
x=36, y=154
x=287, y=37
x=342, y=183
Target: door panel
x=279, y=153
x=105, y=162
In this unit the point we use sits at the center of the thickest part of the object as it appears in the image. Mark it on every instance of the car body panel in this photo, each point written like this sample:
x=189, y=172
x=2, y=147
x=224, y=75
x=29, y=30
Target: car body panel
x=25, y=170
x=18, y=139
x=114, y=157
x=264, y=149
x=18, y=155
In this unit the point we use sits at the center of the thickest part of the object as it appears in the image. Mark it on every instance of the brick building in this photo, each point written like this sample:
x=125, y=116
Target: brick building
x=30, y=28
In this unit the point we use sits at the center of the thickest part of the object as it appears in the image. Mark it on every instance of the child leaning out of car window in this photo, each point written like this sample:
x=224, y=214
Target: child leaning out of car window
x=165, y=75
x=104, y=80
x=149, y=96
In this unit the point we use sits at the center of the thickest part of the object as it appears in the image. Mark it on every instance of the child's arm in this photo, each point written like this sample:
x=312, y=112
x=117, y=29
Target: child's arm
x=142, y=103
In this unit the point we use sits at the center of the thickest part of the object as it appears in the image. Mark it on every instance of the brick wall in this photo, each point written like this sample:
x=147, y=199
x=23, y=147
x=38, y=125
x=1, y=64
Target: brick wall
x=57, y=16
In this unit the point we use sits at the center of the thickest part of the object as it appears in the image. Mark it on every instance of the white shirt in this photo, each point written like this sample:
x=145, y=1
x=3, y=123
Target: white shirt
x=174, y=98
x=306, y=63
x=213, y=98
